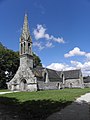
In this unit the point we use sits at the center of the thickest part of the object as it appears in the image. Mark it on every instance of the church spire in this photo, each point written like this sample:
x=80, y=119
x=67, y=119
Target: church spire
x=25, y=39
x=25, y=32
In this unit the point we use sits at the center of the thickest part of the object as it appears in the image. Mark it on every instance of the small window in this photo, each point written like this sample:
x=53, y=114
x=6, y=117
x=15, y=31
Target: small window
x=28, y=47
x=24, y=47
x=28, y=44
x=21, y=48
x=58, y=85
x=45, y=77
x=71, y=85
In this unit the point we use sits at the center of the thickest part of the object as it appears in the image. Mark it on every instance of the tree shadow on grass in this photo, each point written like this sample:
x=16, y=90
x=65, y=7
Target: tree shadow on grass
x=12, y=109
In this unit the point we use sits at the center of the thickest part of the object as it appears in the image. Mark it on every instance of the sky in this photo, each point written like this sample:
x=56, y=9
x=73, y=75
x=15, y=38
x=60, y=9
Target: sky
x=60, y=30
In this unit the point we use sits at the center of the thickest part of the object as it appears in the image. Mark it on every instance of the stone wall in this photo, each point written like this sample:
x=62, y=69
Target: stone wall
x=50, y=85
x=32, y=87
x=73, y=83
x=26, y=60
x=24, y=80
x=87, y=85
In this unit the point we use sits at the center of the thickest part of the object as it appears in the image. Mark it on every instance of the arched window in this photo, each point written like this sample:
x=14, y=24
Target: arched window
x=58, y=85
x=28, y=47
x=45, y=77
x=28, y=44
x=24, y=47
x=62, y=75
x=71, y=85
x=21, y=48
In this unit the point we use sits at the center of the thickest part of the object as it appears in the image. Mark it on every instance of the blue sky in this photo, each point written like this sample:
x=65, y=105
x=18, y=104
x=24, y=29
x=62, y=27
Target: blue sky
x=60, y=30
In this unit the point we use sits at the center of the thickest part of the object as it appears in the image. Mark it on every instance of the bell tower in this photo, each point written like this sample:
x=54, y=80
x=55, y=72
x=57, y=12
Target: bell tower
x=24, y=79
x=26, y=57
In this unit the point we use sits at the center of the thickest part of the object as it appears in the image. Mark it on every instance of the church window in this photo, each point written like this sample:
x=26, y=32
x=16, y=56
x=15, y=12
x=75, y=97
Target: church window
x=62, y=75
x=71, y=85
x=21, y=48
x=28, y=47
x=24, y=47
x=58, y=85
x=28, y=44
x=45, y=77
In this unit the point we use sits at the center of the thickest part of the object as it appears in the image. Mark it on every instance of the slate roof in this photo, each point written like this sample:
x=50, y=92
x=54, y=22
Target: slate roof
x=54, y=76
x=86, y=79
x=38, y=71
x=72, y=74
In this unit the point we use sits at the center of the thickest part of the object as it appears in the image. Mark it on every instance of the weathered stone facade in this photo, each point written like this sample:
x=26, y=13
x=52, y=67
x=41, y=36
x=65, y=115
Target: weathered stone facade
x=73, y=79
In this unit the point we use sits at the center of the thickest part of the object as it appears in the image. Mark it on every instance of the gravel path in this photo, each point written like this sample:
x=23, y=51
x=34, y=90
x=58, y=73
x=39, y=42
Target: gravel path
x=78, y=110
x=1, y=93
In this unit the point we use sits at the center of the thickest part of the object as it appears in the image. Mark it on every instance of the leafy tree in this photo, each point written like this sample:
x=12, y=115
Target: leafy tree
x=36, y=61
x=9, y=61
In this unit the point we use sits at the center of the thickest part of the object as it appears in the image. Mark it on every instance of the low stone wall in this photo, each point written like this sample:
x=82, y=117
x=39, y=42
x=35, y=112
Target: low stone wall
x=32, y=87
x=73, y=83
x=86, y=85
x=49, y=85
x=29, y=87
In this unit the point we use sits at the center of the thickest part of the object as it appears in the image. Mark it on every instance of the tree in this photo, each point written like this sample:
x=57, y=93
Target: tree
x=36, y=61
x=9, y=61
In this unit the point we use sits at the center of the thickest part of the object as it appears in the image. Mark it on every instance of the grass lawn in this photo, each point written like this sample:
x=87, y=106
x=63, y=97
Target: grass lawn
x=38, y=105
x=4, y=90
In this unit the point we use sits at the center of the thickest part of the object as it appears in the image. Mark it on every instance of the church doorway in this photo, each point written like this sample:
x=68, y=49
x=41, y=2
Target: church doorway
x=23, y=85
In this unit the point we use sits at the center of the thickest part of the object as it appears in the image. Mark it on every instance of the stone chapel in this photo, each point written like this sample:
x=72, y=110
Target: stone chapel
x=28, y=78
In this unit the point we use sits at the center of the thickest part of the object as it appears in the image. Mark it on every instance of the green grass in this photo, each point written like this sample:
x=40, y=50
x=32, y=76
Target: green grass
x=39, y=105
x=4, y=90
x=55, y=95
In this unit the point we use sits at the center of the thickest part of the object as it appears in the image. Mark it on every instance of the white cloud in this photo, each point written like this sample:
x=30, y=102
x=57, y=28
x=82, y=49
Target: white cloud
x=40, y=32
x=88, y=56
x=59, y=40
x=85, y=67
x=49, y=45
x=46, y=36
x=74, y=52
x=77, y=64
x=60, y=66
x=39, y=45
x=42, y=46
x=77, y=52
